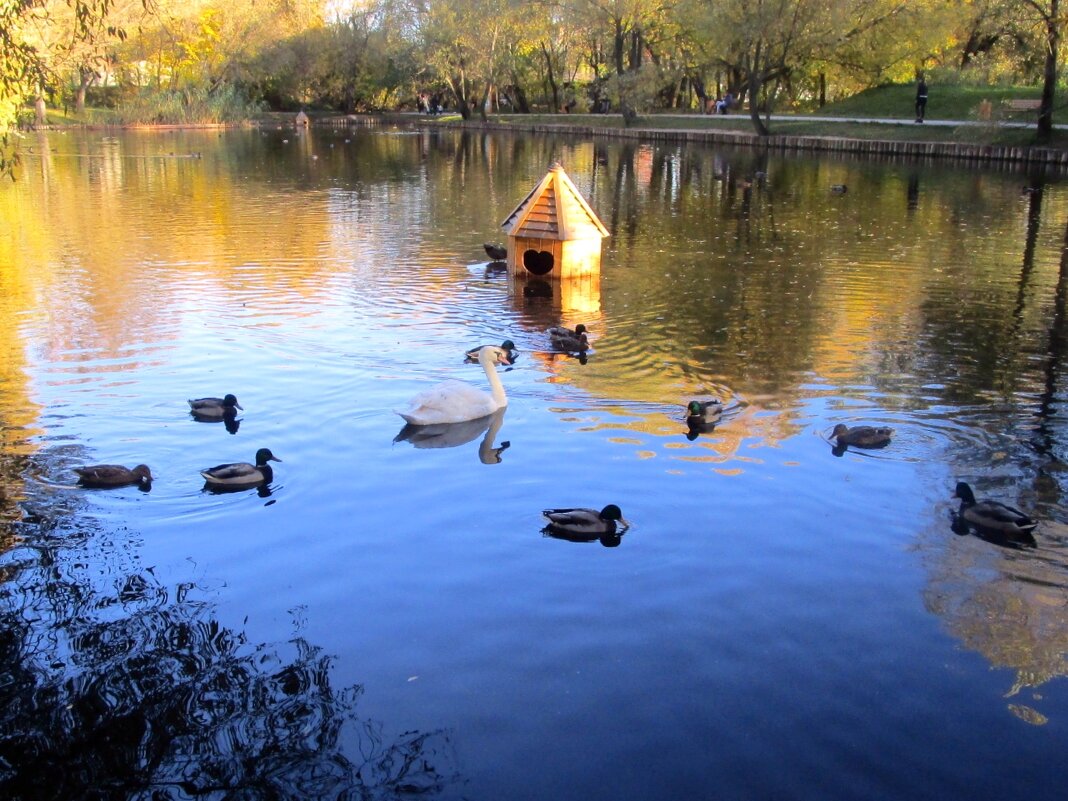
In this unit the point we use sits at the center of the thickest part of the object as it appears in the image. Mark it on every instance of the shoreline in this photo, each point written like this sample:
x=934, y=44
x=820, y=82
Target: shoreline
x=956, y=151
x=1025, y=155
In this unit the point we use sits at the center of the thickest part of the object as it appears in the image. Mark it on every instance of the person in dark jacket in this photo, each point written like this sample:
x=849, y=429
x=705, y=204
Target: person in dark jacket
x=921, y=99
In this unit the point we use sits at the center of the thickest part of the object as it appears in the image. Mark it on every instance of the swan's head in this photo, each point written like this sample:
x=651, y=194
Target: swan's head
x=491, y=354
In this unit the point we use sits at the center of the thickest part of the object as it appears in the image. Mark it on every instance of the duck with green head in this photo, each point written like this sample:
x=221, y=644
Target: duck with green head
x=242, y=474
x=507, y=346
x=702, y=416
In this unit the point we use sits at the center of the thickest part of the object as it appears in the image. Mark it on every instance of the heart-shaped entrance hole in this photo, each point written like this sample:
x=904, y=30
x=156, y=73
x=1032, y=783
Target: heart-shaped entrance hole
x=538, y=262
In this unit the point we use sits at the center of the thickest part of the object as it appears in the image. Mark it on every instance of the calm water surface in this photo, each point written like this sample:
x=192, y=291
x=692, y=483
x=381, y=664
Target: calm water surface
x=387, y=619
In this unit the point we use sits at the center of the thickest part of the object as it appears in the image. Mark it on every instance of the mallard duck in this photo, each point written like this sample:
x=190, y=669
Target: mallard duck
x=992, y=515
x=507, y=346
x=113, y=475
x=242, y=474
x=215, y=407
x=839, y=189
x=570, y=344
x=457, y=401
x=586, y=522
x=563, y=331
x=702, y=417
x=861, y=436
x=495, y=252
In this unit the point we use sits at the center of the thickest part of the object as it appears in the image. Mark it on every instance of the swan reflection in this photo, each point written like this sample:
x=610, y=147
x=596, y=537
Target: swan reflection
x=451, y=435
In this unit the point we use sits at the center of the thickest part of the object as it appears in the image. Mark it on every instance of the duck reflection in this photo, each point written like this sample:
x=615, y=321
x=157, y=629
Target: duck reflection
x=231, y=421
x=608, y=539
x=452, y=435
x=264, y=490
x=1016, y=540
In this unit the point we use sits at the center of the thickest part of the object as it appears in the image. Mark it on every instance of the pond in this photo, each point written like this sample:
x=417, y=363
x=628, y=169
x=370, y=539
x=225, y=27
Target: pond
x=782, y=618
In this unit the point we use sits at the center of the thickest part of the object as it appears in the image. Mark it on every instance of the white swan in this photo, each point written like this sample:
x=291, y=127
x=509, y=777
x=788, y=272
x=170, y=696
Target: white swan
x=457, y=401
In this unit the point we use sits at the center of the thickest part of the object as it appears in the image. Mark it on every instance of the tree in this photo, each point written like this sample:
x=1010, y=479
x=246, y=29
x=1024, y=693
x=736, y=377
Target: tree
x=767, y=43
x=1048, y=17
x=25, y=67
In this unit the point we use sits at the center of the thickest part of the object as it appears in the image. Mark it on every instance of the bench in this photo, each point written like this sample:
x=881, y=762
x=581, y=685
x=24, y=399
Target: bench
x=1019, y=104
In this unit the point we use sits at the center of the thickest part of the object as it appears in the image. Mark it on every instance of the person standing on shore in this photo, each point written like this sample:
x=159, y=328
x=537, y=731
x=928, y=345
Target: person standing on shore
x=921, y=99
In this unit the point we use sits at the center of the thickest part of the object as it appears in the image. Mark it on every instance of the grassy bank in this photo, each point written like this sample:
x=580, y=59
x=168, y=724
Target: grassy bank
x=889, y=102
x=990, y=134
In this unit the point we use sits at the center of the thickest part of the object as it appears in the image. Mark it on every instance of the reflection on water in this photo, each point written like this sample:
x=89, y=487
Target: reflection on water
x=112, y=679
x=451, y=435
x=327, y=276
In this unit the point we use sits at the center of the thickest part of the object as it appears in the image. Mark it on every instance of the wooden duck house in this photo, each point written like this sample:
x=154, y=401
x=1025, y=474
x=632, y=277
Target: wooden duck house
x=554, y=234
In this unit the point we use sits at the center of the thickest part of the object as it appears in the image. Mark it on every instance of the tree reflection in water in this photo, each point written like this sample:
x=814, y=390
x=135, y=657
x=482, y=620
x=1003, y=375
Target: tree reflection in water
x=119, y=687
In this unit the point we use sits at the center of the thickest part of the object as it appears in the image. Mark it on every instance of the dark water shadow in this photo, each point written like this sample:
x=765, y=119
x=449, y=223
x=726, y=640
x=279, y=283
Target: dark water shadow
x=608, y=540
x=156, y=697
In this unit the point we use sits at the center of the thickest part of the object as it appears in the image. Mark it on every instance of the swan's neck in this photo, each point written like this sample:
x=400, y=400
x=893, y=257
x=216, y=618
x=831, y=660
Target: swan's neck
x=496, y=387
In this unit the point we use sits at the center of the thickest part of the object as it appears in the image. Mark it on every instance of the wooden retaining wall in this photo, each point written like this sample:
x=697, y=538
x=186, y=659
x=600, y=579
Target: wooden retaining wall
x=788, y=144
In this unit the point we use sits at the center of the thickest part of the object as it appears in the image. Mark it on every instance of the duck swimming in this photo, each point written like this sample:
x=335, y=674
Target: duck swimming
x=861, y=436
x=586, y=522
x=564, y=331
x=508, y=346
x=242, y=474
x=215, y=407
x=113, y=475
x=992, y=516
x=495, y=252
x=570, y=343
x=455, y=401
x=703, y=412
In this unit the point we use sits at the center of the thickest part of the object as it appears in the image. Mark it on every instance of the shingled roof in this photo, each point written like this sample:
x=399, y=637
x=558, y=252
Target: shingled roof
x=554, y=209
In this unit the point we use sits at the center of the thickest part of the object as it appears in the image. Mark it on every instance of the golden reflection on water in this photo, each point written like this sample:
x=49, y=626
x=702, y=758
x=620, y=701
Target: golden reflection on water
x=1008, y=606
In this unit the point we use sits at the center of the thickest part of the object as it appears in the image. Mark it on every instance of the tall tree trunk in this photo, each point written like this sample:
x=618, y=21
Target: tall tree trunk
x=1049, y=73
x=618, y=46
x=40, y=109
x=85, y=77
x=551, y=77
x=823, y=88
x=520, y=96
x=756, y=81
x=458, y=85
x=636, y=42
x=698, y=84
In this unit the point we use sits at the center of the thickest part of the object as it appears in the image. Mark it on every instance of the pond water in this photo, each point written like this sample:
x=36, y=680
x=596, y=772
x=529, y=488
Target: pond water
x=386, y=618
